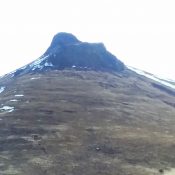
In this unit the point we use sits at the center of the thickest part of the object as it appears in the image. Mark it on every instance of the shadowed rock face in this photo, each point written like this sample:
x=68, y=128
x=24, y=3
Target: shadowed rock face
x=67, y=52
x=63, y=39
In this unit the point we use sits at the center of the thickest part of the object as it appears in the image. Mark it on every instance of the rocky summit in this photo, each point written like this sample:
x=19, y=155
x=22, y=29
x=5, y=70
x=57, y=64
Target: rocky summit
x=67, y=52
x=78, y=110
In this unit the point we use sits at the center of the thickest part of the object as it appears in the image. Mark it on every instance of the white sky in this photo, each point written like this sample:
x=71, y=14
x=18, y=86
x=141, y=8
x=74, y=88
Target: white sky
x=141, y=33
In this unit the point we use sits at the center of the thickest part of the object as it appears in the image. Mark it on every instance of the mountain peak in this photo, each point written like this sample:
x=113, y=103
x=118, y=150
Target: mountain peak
x=67, y=52
x=62, y=39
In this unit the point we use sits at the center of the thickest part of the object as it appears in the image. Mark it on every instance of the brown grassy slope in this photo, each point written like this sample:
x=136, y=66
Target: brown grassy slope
x=86, y=123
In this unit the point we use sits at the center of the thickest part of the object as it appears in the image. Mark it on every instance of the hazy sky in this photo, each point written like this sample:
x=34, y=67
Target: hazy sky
x=139, y=32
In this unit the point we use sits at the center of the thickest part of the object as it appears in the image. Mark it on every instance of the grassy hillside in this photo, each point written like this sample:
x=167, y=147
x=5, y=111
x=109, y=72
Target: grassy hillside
x=86, y=123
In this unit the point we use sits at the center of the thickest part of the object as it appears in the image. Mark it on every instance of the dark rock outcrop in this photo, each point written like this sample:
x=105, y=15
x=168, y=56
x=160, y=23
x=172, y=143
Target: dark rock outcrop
x=67, y=52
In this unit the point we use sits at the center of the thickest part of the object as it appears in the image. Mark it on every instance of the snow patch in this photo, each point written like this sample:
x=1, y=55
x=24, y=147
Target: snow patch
x=13, y=100
x=2, y=89
x=19, y=95
x=73, y=66
x=48, y=64
x=37, y=64
x=153, y=77
x=35, y=78
x=11, y=74
x=7, y=109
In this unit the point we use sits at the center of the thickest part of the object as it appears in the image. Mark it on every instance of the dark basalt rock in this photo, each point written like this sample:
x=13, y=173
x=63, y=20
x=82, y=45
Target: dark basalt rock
x=85, y=55
x=67, y=52
x=62, y=39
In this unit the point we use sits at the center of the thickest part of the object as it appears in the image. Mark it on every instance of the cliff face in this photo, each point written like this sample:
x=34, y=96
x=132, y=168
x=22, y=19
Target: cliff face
x=67, y=52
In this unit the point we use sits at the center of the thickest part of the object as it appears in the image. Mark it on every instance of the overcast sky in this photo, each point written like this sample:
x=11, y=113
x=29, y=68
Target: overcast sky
x=141, y=33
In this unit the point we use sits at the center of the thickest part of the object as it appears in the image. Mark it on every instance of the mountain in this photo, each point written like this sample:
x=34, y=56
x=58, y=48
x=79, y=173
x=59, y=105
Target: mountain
x=78, y=110
x=67, y=52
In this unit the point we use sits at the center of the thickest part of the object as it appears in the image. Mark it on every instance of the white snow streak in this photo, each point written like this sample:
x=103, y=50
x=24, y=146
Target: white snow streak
x=7, y=109
x=48, y=64
x=37, y=64
x=2, y=89
x=35, y=78
x=153, y=77
x=13, y=100
x=19, y=95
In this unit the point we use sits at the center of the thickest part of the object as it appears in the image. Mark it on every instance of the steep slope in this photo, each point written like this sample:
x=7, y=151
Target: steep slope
x=90, y=122
x=166, y=82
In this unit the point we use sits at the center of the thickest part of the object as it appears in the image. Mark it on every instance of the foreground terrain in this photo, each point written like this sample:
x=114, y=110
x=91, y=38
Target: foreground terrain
x=86, y=123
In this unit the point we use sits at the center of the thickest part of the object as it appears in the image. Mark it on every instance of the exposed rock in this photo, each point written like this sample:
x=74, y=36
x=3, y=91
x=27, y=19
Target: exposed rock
x=67, y=52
